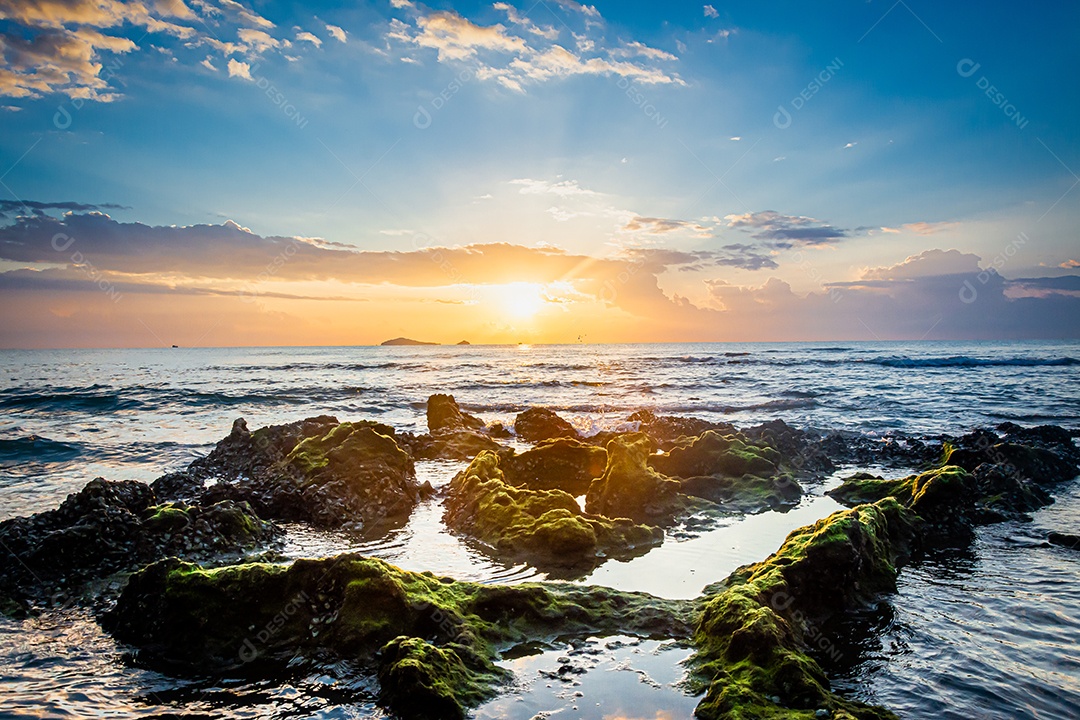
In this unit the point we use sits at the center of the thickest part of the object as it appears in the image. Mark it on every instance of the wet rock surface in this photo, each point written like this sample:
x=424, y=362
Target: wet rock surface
x=352, y=475
x=754, y=631
x=546, y=527
x=536, y=424
x=110, y=527
x=431, y=641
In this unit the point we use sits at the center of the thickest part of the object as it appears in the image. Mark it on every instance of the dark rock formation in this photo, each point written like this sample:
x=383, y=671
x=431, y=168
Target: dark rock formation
x=431, y=641
x=666, y=430
x=560, y=464
x=352, y=475
x=108, y=527
x=536, y=424
x=630, y=488
x=545, y=527
x=444, y=414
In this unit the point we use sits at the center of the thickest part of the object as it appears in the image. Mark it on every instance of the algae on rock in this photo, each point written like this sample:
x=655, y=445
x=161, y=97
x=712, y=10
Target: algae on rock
x=752, y=657
x=432, y=641
x=547, y=527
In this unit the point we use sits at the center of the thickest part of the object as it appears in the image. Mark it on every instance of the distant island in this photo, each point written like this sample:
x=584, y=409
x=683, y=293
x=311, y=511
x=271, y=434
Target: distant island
x=464, y=342
x=406, y=341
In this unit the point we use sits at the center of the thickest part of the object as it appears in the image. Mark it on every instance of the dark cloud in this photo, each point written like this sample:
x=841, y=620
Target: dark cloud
x=786, y=231
x=32, y=207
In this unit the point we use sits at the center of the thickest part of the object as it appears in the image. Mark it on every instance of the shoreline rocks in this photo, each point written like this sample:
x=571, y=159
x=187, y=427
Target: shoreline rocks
x=431, y=641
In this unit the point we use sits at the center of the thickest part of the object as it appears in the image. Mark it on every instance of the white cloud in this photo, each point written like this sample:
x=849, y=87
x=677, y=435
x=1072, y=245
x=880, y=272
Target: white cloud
x=851, y=145
x=336, y=32
x=208, y=64
x=637, y=49
x=257, y=41
x=564, y=188
x=710, y=11
x=523, y=53
x=239, y=69
x=308, y=37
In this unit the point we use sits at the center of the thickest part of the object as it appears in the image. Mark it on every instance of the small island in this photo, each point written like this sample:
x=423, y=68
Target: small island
x=406, y=341
x=464, y=342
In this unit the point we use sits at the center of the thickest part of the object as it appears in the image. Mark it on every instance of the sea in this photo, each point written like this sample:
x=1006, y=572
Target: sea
x=991, y=630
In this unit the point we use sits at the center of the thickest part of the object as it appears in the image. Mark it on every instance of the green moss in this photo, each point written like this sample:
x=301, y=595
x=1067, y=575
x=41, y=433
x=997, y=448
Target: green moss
x=427, y=637
x=630, y=488
x=169, y=517
x=750, y=635
x=545, y=526
x=420, y=680
x=934, y=495
x=712, y=453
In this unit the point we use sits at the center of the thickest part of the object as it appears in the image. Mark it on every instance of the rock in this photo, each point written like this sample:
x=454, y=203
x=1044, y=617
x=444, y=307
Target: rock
x=798, y=449
x=243, y=456
x=730, y=471
x=354, y=477
x=450, y=445
x=536, y=424
x=630, y=488
x=432, y=641
x=109, y=527
x=1064, y=540
x=754, y=631
x=559, y=464
x=1026, y=462
x=443, y=414
x=714, y=454
x=498, y=430
x=665, y=430
x=545, y=527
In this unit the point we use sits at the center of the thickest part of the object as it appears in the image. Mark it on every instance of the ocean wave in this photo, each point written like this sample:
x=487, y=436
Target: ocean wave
x=786, y=404
x=34, y=447
x=93, y=398
x=899, y=361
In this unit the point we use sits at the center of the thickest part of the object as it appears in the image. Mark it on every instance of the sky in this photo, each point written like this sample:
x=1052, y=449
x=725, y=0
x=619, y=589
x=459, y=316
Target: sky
x=223, y=172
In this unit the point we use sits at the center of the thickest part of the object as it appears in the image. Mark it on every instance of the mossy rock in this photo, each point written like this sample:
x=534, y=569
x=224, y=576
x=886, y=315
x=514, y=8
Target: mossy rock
x=750, y=635
x=630, y=488
x=714, y=454
x=559, y=464
x=544, y=527
x=353, y=476
x=432, y=641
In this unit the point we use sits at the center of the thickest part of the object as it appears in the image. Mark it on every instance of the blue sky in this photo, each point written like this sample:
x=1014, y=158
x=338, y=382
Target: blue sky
x=813, y=144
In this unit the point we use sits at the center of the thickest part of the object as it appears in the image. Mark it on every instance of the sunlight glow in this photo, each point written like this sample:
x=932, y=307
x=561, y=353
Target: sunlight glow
x=521, y=300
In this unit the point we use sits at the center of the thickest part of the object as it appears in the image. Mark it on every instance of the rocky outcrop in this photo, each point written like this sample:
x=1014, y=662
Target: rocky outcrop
x=630, y=488
x=351, y=475
x=109, y=527
x=431, y=641
x=545, y=527
x=666, y=430
x=559, y=464
x=450, y=445
x=444, y=414
x=756, y=626
x=537, y=424
x=354, y=477
x=731, y=471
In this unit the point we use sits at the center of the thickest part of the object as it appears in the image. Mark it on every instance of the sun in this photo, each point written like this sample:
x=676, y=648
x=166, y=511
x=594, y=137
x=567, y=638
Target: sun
x=520, y=300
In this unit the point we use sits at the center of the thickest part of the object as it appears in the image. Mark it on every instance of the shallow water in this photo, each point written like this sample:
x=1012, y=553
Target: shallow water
x=989, y=631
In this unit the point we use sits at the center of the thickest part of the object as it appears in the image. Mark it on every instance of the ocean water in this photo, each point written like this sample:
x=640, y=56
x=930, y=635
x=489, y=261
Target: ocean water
x=952, y=643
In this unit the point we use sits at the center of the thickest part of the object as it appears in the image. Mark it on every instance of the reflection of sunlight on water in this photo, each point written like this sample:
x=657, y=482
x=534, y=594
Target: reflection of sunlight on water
x=681, y=568
x=613, y=678
x=422, y=544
